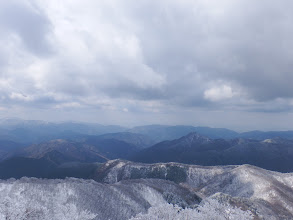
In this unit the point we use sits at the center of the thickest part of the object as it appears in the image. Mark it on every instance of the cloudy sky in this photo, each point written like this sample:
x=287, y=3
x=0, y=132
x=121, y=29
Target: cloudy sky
x=225, y=63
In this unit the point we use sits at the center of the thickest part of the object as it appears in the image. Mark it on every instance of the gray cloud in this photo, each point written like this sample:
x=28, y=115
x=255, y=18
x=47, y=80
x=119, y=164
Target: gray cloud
x=30, y=24
x=149, y=57
x=246, y=45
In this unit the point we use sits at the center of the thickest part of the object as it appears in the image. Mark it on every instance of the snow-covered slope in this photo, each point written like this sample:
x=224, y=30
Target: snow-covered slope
x=34, y=199
x=259, y=190
x=75, y=199
x=125, y=190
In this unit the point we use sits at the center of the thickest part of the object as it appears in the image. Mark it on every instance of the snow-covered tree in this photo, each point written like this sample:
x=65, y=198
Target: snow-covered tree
x=210, y=209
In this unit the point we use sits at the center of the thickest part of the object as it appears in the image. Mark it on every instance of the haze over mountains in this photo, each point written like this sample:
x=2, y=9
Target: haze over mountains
x=33, y=131
x=53, y=144
x=152, y=184
x=131, y=105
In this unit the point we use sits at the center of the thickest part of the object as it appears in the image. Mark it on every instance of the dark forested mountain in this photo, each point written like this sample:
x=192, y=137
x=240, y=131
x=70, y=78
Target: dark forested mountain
x=61, y=158
x=52, y=165
x=112, y=148
x=7, y=147
x=92, y=149
x=71, y=151
x=192, y=148
x=274, y=154
x=51, y=160
x=18, y=167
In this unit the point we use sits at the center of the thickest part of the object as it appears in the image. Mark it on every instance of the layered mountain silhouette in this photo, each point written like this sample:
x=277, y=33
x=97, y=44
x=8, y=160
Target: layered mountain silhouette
x=7, y=147
x=166, y=174
x=60, y=158
x=273, y=154
x=33, y=131
x=163, y=132
x=160, y=133
x=92, y=149
x=84, y=148
x=139, y=140
x=29, y=132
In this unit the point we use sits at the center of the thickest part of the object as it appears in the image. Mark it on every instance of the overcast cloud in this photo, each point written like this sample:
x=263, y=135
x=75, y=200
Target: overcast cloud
x=217, y=63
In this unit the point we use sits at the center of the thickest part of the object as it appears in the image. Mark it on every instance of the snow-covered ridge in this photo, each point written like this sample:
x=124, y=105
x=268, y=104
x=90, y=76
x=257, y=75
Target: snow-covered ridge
x=31, y=198
x=76, y=199
x=125, y=190
x=269, y=190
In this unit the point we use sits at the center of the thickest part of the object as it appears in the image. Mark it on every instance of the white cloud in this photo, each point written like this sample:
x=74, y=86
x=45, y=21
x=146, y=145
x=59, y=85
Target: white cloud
x=219, y=93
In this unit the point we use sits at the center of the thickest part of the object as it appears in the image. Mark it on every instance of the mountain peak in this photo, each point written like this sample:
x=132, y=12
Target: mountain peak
x=270, y=141
x=194, y=137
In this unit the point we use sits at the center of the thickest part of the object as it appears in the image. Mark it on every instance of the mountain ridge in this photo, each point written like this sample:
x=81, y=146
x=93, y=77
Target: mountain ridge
x=267, y=191
x=274, y=154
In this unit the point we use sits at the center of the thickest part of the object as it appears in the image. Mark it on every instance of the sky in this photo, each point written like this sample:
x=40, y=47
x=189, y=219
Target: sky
x=211, y=63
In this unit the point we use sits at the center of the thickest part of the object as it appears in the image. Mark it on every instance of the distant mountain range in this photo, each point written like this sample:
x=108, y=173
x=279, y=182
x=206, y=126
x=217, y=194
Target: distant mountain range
x=166, y=178
x=33, y=131
x=90, y=149
x=162, y=132
x=58, y=158
x=87, y=143
x=273, y=154
x=139, y=140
